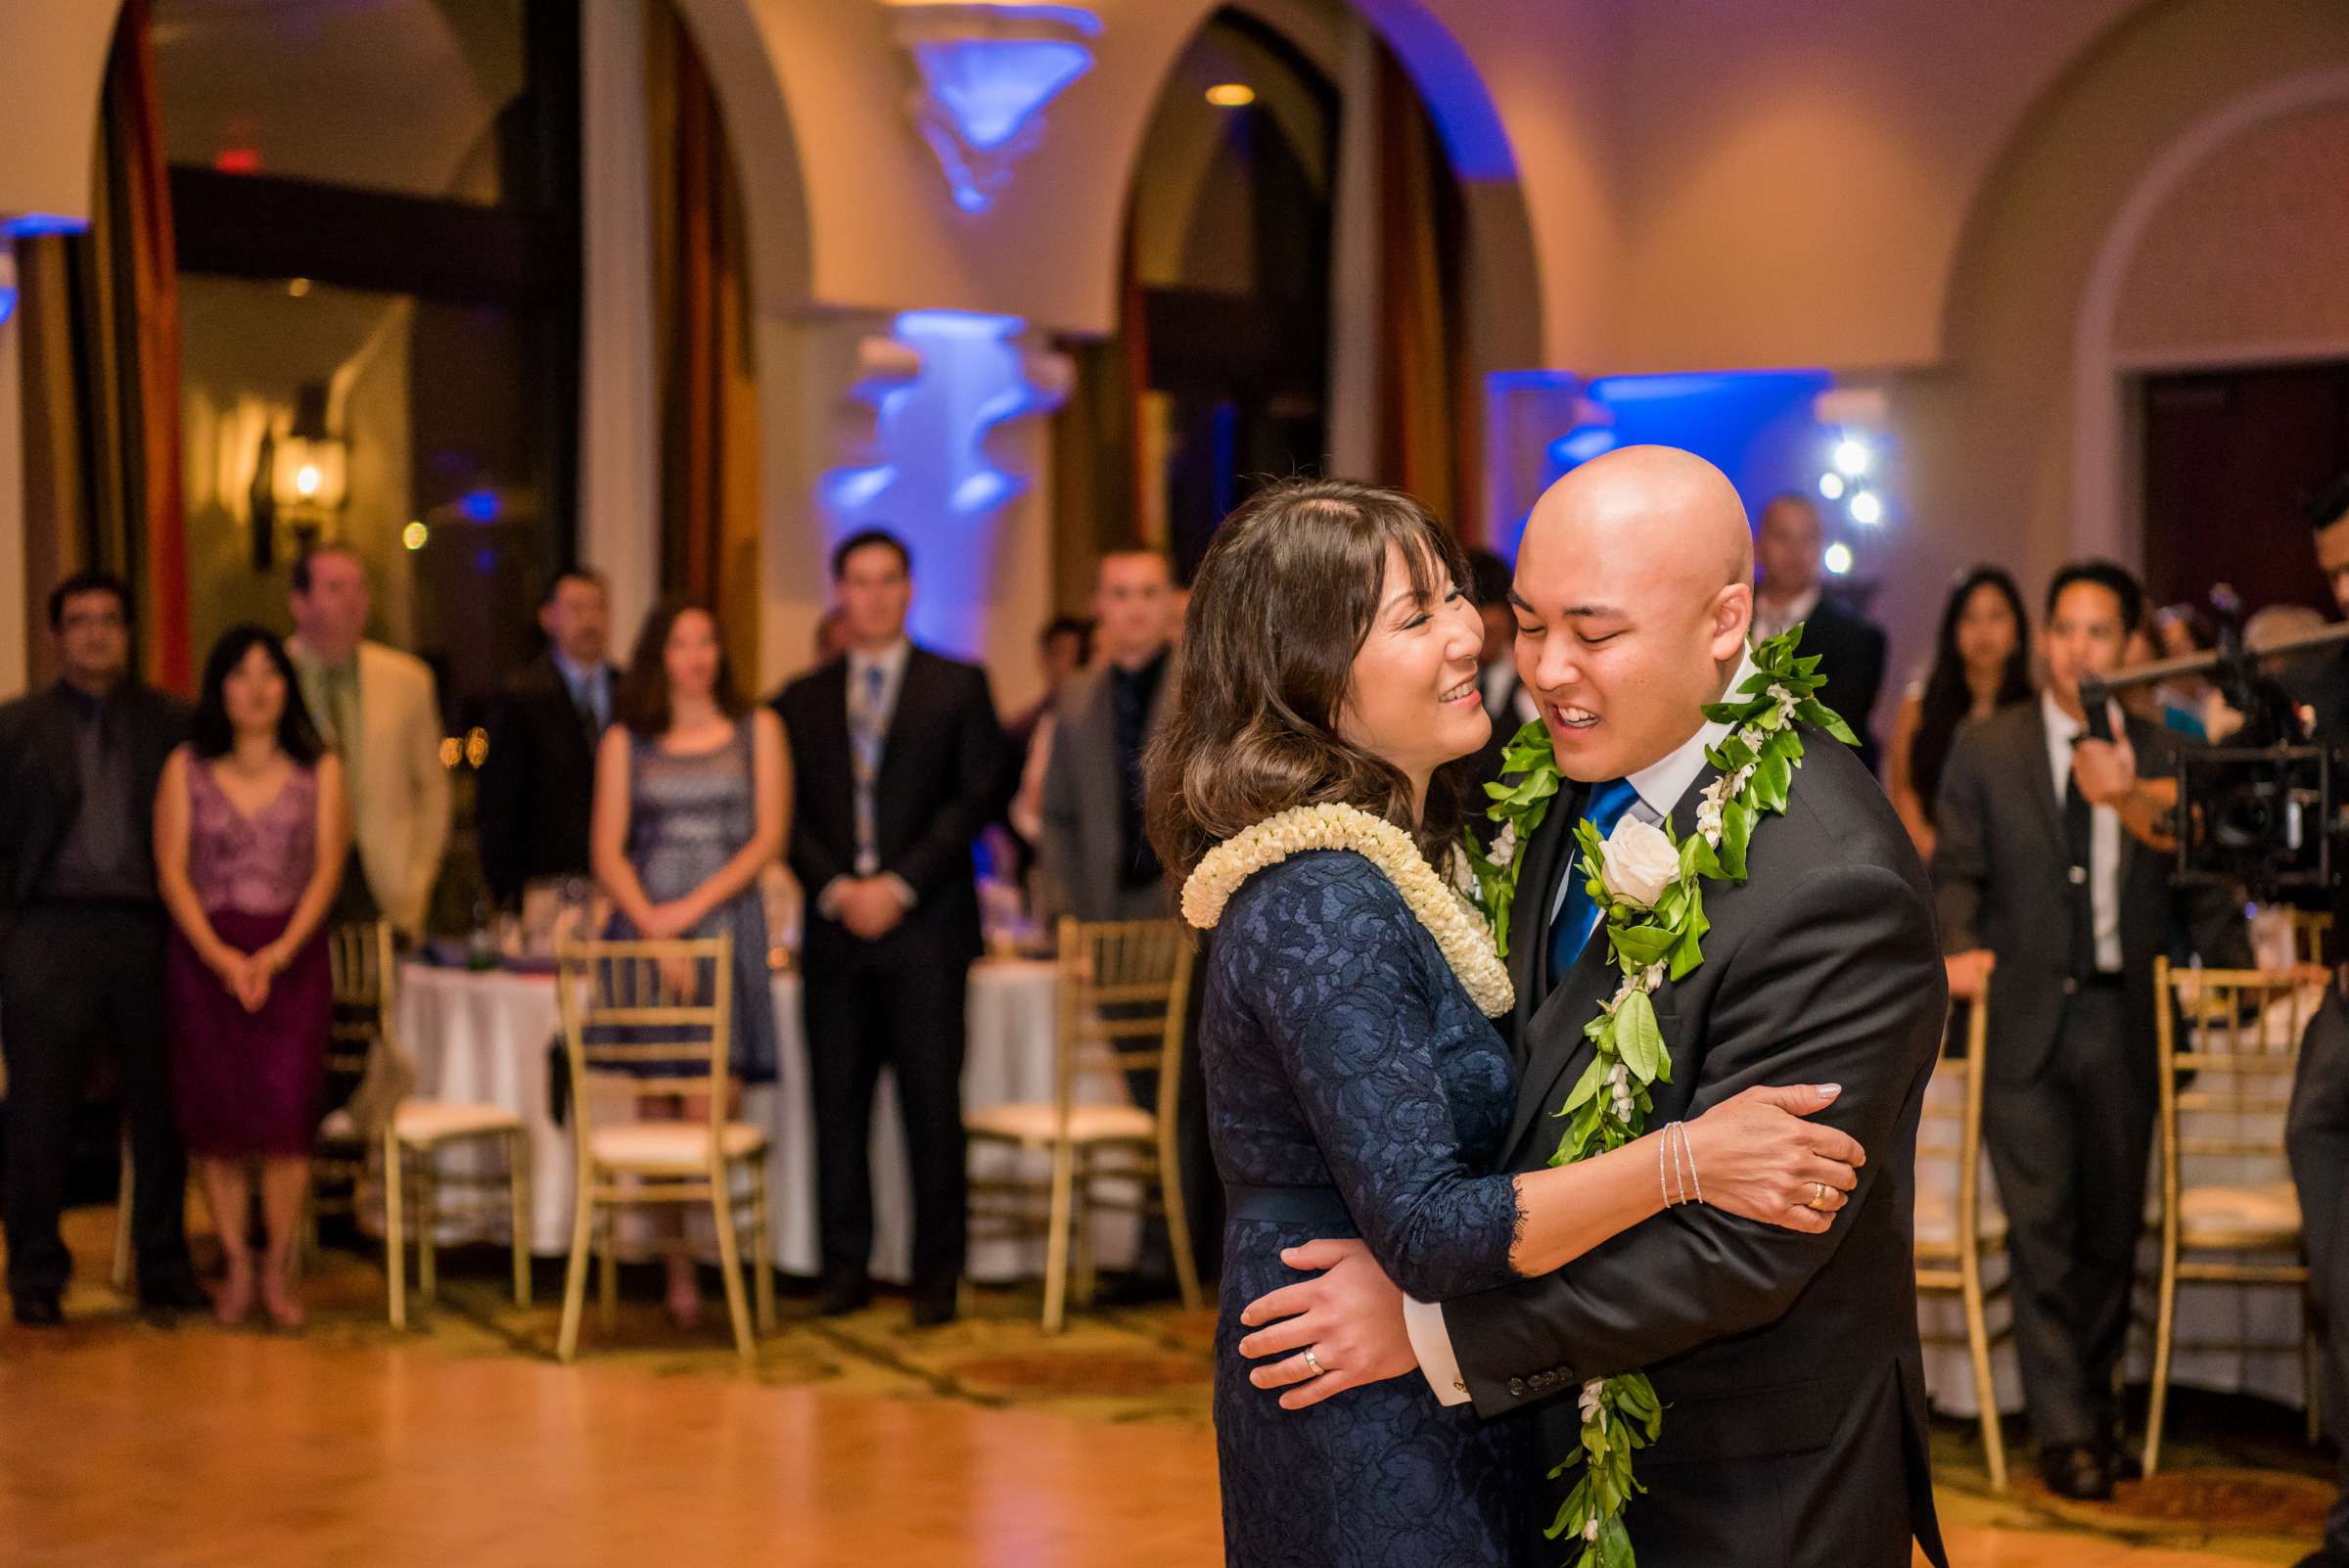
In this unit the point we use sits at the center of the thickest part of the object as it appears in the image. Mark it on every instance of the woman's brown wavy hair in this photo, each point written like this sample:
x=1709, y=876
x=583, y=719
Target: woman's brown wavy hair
x=1280, y=608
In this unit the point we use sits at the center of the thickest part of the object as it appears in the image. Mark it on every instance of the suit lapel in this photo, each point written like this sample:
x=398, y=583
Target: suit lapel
x=2032, y=760
x=912, y=688
x=830, y=707
x=1529, y=911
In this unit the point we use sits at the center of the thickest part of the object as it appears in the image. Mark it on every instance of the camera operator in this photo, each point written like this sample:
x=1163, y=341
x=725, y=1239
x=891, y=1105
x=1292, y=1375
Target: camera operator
x=2316, y=1128
x=2037, y=871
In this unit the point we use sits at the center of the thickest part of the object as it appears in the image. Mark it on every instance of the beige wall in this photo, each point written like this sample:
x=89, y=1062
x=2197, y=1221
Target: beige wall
x=1988, y=436
x=2249, y=257
x=1916, y=194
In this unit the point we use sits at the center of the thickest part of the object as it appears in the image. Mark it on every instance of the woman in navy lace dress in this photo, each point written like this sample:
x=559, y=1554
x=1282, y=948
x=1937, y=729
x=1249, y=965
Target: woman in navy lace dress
x=1353, y=1089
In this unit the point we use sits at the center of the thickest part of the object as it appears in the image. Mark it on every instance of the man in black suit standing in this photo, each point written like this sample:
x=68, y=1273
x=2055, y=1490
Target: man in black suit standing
x=538, y=785
x=1786, y=1358
x=1790, y=542
x=895, y=754
x=2036, y=876
x=81, y=945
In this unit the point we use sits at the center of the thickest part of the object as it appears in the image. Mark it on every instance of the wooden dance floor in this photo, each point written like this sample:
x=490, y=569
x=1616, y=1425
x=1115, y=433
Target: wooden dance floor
x=983, y=1445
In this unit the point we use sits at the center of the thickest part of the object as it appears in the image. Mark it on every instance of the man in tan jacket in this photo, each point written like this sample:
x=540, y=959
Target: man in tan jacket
x=375, y=708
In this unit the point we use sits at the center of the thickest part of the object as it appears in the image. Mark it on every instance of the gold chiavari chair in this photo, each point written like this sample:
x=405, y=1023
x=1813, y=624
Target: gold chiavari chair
x=360, y=955
x=2245, y=1042
x=2310, y=928
x=1124, y=989
x=631, y=1005
x=1954, y=1235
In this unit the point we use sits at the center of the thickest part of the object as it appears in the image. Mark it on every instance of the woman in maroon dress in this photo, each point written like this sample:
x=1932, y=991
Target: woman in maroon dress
x=250, y=839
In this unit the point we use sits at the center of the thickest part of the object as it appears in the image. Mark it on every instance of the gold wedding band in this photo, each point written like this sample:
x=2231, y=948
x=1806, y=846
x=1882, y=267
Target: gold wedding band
x=1819, y=1195
x=1311, y=1361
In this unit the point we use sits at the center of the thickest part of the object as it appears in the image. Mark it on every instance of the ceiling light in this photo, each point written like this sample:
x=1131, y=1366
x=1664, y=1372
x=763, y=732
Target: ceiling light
x=1853, y=456
x=1830, y=486
x=1839, y=558
x=1866, y=508
x=1232, y=95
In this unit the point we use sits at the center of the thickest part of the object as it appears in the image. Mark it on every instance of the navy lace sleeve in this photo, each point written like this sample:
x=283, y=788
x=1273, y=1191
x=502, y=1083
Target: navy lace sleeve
x=1355, y=999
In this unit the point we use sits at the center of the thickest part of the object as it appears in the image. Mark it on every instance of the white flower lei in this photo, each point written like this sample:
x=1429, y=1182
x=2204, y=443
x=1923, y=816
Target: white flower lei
x=1460, y=932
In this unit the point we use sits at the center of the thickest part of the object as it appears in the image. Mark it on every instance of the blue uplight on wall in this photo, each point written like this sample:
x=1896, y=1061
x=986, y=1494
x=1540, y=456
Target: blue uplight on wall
x=30, y=226
x=1756, y=426
x=478, y=506
x=987, y=72
x=930, y=480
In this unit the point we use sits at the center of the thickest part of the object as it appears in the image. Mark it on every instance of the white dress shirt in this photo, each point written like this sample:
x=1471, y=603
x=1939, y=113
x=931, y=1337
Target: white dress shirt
x=891, y=662
x=1659, y=787
x=1772, y=619
x=2103, y=837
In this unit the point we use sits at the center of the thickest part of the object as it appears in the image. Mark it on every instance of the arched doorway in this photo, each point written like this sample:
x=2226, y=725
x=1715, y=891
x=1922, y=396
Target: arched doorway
x=1309, y=283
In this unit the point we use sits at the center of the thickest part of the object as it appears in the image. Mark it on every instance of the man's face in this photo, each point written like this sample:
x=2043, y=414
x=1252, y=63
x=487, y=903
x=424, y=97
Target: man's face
x=2085, y=637
x=875, y=593
x=93, y=639
x=2332, y=558
x=333, y=615
x=577, y=620
x=1622, y=648
x=1788, y=545
x=1133, y=600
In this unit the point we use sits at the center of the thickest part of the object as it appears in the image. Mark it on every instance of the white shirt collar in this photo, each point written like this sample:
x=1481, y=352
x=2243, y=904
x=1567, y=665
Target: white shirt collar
x=2061, y=726
x=1800, y=608
x=576, y=675
x=890, y=659
x=1661, y=784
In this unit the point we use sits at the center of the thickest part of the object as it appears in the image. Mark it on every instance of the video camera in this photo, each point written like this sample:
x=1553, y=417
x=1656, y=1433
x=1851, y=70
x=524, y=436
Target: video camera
x=2263, y=810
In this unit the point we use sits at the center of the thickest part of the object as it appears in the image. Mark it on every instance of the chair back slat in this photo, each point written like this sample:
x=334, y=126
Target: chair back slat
x=1950, y=1132
x=629, y=1006
x=1122, y=980
x=359, y=960
x=2240, y=1042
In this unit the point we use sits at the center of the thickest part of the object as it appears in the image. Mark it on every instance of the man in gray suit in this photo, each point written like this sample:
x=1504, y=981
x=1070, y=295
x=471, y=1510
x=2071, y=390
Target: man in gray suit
x=1094, y=848
x=2033, y=871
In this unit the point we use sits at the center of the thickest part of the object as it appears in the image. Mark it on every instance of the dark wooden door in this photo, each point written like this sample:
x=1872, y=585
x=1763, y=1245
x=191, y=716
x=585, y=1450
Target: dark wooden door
x=2228, y=456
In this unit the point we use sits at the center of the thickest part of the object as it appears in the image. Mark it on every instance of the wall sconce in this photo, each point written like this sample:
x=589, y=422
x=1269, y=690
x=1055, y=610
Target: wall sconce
x=309, y=469
x=987, y=72
x=302, y=475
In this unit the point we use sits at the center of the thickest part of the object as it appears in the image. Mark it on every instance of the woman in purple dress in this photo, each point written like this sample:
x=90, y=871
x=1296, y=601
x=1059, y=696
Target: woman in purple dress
x=250, y=839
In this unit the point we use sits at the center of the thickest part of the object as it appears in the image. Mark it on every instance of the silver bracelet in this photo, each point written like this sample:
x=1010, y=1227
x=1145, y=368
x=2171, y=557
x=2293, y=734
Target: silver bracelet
x=1689, y=1149
x=1662, y=1142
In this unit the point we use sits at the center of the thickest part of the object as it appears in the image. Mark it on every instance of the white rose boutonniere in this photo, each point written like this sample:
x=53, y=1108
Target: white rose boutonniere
x=1640, y=862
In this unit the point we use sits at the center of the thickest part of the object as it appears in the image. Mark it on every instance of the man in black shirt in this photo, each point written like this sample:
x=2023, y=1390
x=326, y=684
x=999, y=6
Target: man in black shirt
x=81, y=945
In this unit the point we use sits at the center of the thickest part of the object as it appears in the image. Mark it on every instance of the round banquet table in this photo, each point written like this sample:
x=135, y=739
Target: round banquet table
x=482, y=1038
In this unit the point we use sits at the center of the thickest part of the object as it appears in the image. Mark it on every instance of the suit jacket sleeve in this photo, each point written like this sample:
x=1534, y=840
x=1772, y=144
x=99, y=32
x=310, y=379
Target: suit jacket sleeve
x=1061, y=851
x=815, y=863
x=429, y=784
x=941, y=854
x=1843, y=987
x=1961, y=855
x=499, y=793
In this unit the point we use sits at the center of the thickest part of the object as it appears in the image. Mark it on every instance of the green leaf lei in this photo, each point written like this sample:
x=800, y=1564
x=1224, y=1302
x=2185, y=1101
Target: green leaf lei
x=1649, y=946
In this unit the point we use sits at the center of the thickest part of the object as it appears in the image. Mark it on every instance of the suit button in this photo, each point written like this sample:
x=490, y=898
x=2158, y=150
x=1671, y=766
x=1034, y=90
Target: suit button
x=2078, y=874
x=1516, y=1388
x=2071, y=987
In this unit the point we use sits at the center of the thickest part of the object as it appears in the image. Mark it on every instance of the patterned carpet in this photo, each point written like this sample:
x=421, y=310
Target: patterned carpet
x=2238, y=1482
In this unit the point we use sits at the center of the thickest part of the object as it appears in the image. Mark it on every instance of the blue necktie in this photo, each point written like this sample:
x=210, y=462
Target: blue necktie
x=1602, y=808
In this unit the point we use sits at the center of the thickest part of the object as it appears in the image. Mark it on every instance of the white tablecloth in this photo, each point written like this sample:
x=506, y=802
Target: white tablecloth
x=482, y=1038
x=2254, y=1330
